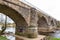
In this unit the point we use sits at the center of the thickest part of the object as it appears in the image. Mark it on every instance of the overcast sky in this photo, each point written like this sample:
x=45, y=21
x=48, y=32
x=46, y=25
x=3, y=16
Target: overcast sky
x=51, y=7
x=2, y=18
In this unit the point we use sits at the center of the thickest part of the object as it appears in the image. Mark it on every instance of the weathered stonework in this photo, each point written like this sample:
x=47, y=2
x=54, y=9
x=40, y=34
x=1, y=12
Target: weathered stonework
x=33, y=23
x=26, y=16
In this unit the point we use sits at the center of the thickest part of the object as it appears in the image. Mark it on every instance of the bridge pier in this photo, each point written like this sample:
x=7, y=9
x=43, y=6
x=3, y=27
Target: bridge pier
x=33, y=28
x=32, y=32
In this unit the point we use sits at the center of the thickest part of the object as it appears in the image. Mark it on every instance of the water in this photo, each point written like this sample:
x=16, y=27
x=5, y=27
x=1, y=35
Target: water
x=9, y=29
x=10, y=37
x=56, y=34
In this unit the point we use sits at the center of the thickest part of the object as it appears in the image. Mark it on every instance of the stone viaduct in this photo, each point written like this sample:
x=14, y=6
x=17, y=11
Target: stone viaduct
x=27, y=18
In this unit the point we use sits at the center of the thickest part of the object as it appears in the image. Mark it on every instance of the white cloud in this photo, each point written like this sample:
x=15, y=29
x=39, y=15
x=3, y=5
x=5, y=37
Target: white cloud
x=2, y=18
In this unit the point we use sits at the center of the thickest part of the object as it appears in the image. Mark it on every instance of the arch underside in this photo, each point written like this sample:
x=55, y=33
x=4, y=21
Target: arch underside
x=14, y=15
x=42, y=22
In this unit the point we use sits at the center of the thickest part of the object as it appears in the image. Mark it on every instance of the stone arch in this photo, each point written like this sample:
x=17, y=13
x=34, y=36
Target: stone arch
x=42, y=22
x=14, y=15
x=52, y=23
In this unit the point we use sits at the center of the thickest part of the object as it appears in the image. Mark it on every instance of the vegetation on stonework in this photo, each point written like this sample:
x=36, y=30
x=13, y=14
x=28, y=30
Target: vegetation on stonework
x=3, y=38
x=20, y=34
x=52, y=38
x=31, y=36
x=27, y=34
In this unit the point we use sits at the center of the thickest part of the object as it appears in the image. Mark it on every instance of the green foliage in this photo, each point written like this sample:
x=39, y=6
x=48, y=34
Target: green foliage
x=55, y=38
x=52, y=38
x=20, y=33
x=3, y=38
x=29, y=35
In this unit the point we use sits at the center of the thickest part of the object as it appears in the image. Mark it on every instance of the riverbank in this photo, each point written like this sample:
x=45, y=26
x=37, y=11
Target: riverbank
x=3, y=38
x=52, y=38
x=58, y=28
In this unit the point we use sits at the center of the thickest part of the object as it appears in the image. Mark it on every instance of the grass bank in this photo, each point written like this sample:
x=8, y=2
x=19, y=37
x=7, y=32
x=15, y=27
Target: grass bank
x=52, y=38
x=3, y=38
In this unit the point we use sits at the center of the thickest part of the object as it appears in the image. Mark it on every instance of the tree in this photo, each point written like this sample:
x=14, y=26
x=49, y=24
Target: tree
x=4, y=27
